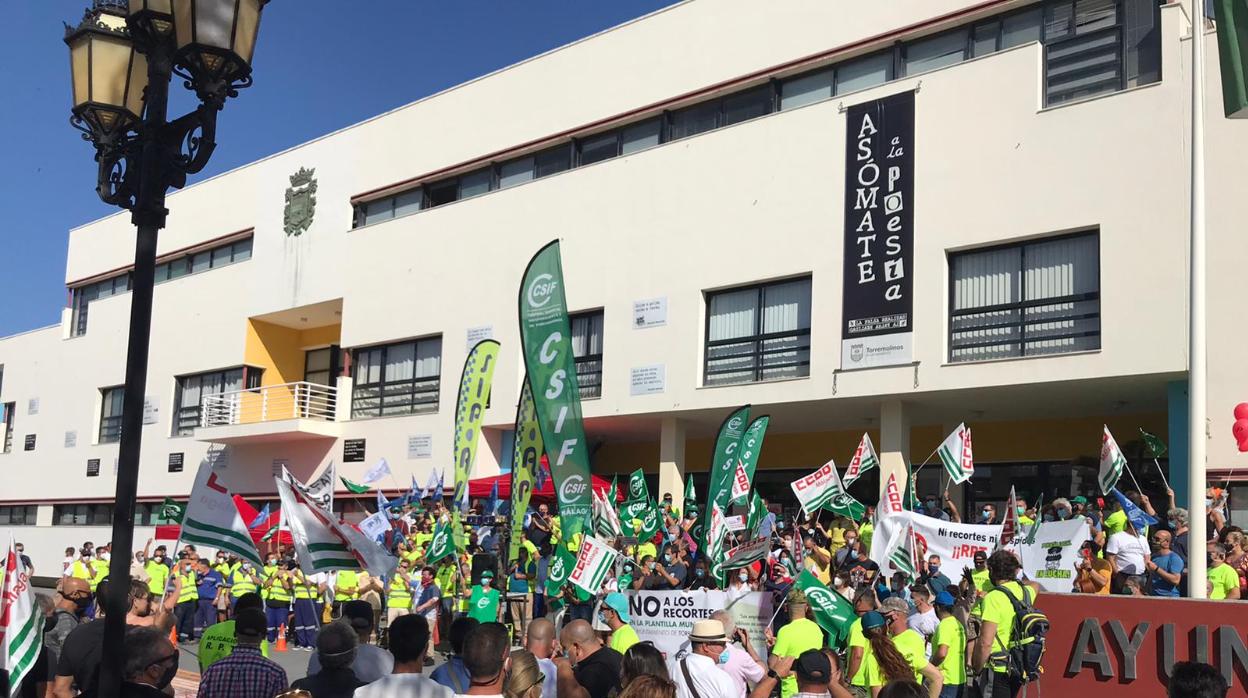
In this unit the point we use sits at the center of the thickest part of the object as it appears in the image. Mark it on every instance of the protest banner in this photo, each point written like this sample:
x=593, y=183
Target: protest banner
x=750, y=448
x=664, y=618
x=1050, y=559
x=955, y=543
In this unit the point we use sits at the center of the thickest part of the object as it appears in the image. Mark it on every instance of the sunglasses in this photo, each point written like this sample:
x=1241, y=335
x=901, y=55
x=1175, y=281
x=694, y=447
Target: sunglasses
x=166, y=658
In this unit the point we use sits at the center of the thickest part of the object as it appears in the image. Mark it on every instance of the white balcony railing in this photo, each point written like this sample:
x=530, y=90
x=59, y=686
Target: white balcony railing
x=271, y=403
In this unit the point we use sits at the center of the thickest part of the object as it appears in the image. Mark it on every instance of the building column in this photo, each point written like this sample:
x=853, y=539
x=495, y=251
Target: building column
x=672, y=461
x=1176, y=426
x=894, y=442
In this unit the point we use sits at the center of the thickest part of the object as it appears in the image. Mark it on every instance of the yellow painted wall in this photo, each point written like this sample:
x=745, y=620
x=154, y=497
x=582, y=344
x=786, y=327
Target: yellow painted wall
x=280, y=352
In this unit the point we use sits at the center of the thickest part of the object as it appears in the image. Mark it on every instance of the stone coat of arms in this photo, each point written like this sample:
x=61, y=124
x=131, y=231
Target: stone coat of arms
x=300, y=201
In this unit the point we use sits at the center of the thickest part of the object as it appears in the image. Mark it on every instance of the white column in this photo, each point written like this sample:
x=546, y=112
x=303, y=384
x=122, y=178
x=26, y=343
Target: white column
x=1197, y=430
x=894, y=442
x=672, y=461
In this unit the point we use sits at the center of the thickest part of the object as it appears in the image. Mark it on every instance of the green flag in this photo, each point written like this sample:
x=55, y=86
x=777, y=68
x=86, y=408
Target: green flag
x=458, y=535
x=632, y=510
x=526, y=452
x=1156, y=447
x=650, y=521
x=546, y=335
x=749, y=450
x=690, y=493
x=171, y=511
x=832, y=611
x=557, y=574
x=755, y=515
x=474, y=394
x=613, y=494
x=353, y=488
x=442, y=544
x=724, y=463
x=268, y=535
x=637, y=490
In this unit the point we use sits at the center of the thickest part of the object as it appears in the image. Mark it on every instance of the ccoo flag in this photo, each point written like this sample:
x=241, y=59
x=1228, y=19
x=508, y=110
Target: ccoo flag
x=21, y=629
x=864, y=459
x=546, y=335
x=1112, y=462
x=749, y=450
x=822, y=489
x=213, y=520
x=526, y=451
x=592, y=565
x=955, y=454
x=474, y=394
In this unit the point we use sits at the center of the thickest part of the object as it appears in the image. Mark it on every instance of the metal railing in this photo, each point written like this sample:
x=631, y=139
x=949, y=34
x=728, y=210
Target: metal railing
x=271, y=403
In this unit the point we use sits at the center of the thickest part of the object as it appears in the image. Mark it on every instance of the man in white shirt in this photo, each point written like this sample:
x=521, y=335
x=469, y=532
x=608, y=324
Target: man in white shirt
x=744, y=664
x=540, y=640
x=699, y=673
x=1128, y=552
x=409, y=639
x=923, y=621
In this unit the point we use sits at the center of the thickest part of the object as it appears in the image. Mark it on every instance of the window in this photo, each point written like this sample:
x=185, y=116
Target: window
x=861, y=73
x=401, y=378
x=440, y=193
x=758, y=333
x=18, y=515
x=1030, y=299
x=82, y=296
x=515, y=172
x=598, y=148
x=110, y=415
x=935, y=52
x=6, y=416
x=726, y=111
x=553, y=161
x=587, y=349
x=82, y=514
x=474, y=183
x=192, y=390
x=1094, y=47
x=807, y=89
x=320, y=365
x=641, y=136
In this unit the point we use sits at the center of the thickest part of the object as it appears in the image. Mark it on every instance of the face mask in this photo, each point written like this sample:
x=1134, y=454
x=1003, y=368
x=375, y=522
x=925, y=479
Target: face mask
x=1063, y=514
x=1020, y=510
x=667, y=557
x=1050, y=517
x=159, y=558
x=838, y=582
x=272, y=561
x=138, y=559
x=167, y=677
x=985, y=515
x=934, y=568
x=104, y=557
x=699, y=572
x=1208, y=501
x=1019, y=575
x=743, y=576
x=650, y=565
x=1173, y=523
x=486, y=582
x=849, y=542
x=82, y=602
x=602, y=618
x=1209, y=560
x=723, y=656
x=779, y=525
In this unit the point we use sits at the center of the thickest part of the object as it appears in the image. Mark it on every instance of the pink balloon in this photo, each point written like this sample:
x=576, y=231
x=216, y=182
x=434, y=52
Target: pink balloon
x=1241, y=411
x=1240, y=430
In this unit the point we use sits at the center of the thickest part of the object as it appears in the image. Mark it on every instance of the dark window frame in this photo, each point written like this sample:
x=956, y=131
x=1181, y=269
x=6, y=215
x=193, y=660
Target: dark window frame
x=420, y=391
x=589, y=365
x=759, y=339
x=26, y=514
x=9, y=409
x=110, y=424
x=187, y=418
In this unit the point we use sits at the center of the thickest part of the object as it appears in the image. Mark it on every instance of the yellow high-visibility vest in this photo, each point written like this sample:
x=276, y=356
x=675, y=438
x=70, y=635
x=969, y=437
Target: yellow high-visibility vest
x=189, y=591
x=277, y=592
x=400, y=595
x=346, y=579
x=242, y=584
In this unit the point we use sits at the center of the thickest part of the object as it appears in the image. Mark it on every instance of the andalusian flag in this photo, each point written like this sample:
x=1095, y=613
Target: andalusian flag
x=324, y=544
x=21, y=629
x=1156, y=447
x=903, y=552
x=955, y=454
x=1112, y=462
x=864, y=459
x=354, y=488
x=441, y=545
x=213, y=520
x=832, y=611
x=592, y=565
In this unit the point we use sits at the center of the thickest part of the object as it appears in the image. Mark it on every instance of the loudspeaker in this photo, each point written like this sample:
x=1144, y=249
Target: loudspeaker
x=486, y=561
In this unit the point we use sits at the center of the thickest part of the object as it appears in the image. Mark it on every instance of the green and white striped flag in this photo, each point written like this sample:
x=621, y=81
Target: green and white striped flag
x=822, y=489
x=441, y=545
x=747, y=554
x=955, y=454
x=715, y=540
x=606, y=521
x=323, y=544
x=211, y=518
x=20, y=627
x=902, y=552
x=592, y=565
x=1112, y=462
x=864, y=459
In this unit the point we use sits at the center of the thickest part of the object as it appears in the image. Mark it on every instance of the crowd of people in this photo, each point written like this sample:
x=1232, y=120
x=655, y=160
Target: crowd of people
x=918, y=634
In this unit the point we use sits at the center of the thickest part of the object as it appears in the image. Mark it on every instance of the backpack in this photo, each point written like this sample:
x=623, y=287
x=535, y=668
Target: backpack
x=1025, y=652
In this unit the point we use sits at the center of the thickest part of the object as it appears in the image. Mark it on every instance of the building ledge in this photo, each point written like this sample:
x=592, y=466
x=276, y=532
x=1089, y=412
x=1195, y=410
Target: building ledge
x=269, y=432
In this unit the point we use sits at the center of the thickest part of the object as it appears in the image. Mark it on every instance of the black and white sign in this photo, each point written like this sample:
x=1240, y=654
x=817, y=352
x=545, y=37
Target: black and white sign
x=71, y=439
x=419, y=446
x=93, y=467
x=175, y=462
x=650, y=313
x=877, y=301
x=151, y=409
x=353, y=451
x=647, y=380
x=476, y=334
x=30, y=443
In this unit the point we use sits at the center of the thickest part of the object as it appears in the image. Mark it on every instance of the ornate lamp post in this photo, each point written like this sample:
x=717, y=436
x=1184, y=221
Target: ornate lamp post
x=122, y=57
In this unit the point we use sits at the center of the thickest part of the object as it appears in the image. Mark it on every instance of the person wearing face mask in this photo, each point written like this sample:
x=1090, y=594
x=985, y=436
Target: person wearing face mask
x=1020, y=508
x=246, y=673
x=795, y=637
x=979, y=573
x=988, y=514
x=1063, y=510
x=859, y=569
x=851, y=539
x=157, y=569
x=738, y=584
x=931, y=576
x=589, y=670
x=483, y=604
x=743, y=665
x=1223, y=580
x=151, y=663
x=674, y=570
x=700, y=673
x=701, y=578
x=614, y=614
x=72, y=599
x=649, y=579
x=932, y=508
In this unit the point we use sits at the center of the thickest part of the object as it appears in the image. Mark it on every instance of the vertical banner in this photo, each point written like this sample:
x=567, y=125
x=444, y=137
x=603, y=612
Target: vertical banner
x=546, y=334
x=474, y=393
x=527, y=450
x=879, y=233
x=724, y=463
x=747, y=462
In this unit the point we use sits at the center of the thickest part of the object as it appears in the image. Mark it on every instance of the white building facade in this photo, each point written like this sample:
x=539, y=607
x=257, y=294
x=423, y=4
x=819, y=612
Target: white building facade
x=694, y=164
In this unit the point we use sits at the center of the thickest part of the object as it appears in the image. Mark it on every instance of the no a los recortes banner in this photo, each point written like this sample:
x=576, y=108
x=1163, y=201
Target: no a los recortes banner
x=664, y=618
x=546, y=334
x=877, y=296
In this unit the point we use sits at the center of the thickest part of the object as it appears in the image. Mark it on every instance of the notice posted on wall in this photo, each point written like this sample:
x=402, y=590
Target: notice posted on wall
x=419, y=446
x=647, y=380
x=476, y=334
x=651, y=312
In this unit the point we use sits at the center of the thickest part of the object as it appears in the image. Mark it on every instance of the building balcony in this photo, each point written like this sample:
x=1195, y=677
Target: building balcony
x=285, y=412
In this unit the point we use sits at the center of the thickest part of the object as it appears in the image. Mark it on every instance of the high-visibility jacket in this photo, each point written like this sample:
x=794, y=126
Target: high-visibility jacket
x=304, y=588
x=241, y=583
x=400, y=592
x=346, y=579
x=189, y=591
x=101, y=571
x=158, y=576
x=277, y=592
x=267, y=572
x=82, y=570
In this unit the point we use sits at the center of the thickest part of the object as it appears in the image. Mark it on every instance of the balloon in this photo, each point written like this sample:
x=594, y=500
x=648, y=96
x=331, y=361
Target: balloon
x=1240, y=430
x=1241, y=411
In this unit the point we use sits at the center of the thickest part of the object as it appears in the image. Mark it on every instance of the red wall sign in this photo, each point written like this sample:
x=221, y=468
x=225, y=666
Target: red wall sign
x=1122, y=642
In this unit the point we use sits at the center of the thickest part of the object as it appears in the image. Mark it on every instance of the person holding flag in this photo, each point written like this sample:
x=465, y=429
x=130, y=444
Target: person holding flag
x=796, y=636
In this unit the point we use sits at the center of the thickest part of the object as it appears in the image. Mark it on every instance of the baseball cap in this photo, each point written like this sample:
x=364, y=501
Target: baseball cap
x=250, y=622
x=359, y=613
x=944, y=598
x=895, y=604
x=813, y=666
x=487, y=574
x=1079, y=500
x=872, y=619
x=619, y=603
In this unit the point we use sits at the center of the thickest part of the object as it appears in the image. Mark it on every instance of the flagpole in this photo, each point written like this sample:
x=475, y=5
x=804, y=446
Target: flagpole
x=1196, y=389
x=1137, y=482
x=925, y=460
x=1162, y=473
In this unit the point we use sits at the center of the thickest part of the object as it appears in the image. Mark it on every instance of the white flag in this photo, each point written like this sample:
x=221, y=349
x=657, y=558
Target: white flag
x=323, y=544
x=747, y=553
x=890, y=499
x=375, y=473
x=375, y=526
x=1112, y=462
x=955, y=454
x=213, y=520
x=864, y=459
x=1009, y=521
x=592, y=565
x=321, y=489
x=21, y=629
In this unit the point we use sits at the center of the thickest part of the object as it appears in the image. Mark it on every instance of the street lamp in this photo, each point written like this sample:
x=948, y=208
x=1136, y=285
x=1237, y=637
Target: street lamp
x=122, y=56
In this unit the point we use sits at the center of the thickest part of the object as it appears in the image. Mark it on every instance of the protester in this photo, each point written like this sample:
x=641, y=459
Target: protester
x=150, y=664
x=699, y=674
x=245, y=673
x=187, y=599
x=73, y=595
x=614, y=613
x=923, y=621
x=428, y=597
x=484, y=602
x=370, y=661
x=1223, y=582
x=1092, y=573
x=997, y=616
x=642, y=660
x=399, y=592
x=486, y=654
x=336, y=646
x=1165, y=567
x=1127, y=551
x=453, y=674
x=409, y=642
x=932, y=577
x=911, y=645
x=218, y=640
x=949, y=648
x=540, y=641
x=797, y=636
x=1195, y=680
x=590, y=670
x=743, y=665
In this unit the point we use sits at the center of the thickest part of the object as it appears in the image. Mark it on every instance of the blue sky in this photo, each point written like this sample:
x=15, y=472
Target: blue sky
x=320, y=65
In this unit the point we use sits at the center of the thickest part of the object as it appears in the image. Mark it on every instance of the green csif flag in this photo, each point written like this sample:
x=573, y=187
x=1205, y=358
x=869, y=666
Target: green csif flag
x=474, y=394
x=749, y=450
x=561, y=565
x=690, y=494
x=754, y=516
x=651, y=521
x=1156, y=447
x=172, y=511
x=354, y=488
x=441, y=545
x=724, y=463
x=832, y=611
x=613, y=494
x=526, y=452
x=637, y=489
x=546, y=335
